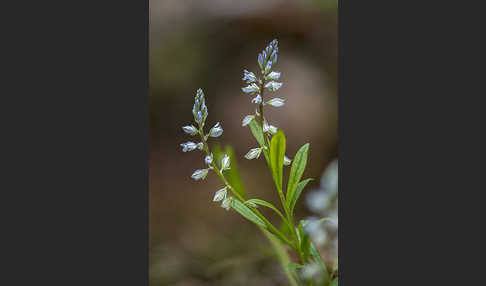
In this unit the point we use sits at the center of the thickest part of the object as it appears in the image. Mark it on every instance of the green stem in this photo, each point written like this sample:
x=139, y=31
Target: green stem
x=239, y=197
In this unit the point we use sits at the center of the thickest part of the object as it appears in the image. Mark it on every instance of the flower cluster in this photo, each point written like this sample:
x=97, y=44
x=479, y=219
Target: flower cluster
x=200, y=112
x=256, y=87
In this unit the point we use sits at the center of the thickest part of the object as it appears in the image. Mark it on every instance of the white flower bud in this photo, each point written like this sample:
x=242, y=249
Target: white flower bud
x=208, y=159
x=286, y=161
x=253, y=153
x=251, y=88
x=266, y=127
x=276, y=102
x=273, y=75
x=247, y=120
x=225, y=163
x=249, y=77
x=269, y=128
x=190, y=129
x=220, y=195
x=257, y=99
x=273, y=86
x=189, y=146
x=216, y=131
x=226, y=204
x=200, y=145
x=200, y=174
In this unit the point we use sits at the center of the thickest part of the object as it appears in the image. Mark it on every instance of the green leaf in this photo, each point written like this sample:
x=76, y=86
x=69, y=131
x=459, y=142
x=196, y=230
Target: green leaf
x=298, y=167
x=335, y=282
x=277, y=153
x=257, y=132
x=317, y=258
x=268, y=205
x=247, y=213
x=298, y=190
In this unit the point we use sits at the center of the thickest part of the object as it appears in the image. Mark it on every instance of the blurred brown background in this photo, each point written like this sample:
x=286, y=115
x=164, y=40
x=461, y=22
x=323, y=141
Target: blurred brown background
x=207, y=44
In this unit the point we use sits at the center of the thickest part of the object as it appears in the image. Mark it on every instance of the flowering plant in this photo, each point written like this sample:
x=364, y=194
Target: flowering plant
x=310, y=269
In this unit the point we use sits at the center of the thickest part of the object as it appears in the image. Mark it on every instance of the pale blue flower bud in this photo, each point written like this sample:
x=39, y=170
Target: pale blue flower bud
x=260, y=61
x=273, y=86
x=190, y=129
x=189, y=146
x=273, y=75
x=276, y=102
x=200, y=145
x=200, y=110
x=272, y=129
x=216, y=131
x=252, y=88
x=274, y=57
x=267, y=128
x=253, y=153
x=227, y=203
x=208, y=159
x=257, y=99
x=247, y=120
x=286, y=161
x=220, y=195
x=268, y=67
x=200, y=174
x=249, y=77
x=225, y=163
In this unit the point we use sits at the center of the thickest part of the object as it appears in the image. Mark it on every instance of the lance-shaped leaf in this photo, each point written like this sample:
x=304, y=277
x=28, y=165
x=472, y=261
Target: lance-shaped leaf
x=298, y=167
x=314, y=253
x=277, y=153
x=298, y=190
x=247, y=213
x=268, y=205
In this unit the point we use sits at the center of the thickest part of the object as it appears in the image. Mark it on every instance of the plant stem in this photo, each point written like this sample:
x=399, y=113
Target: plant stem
x=239, y=197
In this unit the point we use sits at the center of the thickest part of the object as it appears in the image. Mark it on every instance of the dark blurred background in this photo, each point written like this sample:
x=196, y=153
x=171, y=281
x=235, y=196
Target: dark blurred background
x=207, y=44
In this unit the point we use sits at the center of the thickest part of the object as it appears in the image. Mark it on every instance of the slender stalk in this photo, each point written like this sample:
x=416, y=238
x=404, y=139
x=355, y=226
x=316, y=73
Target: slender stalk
x=239, y=197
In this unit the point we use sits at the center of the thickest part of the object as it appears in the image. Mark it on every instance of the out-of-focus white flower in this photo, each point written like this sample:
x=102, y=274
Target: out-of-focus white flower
x=310, y=271
x=329, y=179
x=316, y=231
x=200, y=145
x=225, y=163
x=190, y=129
x=276, y=102
x=317, y=201
x=253, y=153
x=200, y=174
x=273, y=85
x=216, y=131
x=189, y=146
x=286, y=161
x=220, y=195
x=247, y=120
